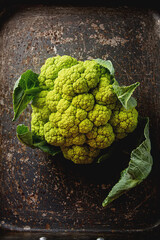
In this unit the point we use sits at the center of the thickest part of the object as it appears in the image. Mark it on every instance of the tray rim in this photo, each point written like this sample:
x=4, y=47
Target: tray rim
x=88, y=231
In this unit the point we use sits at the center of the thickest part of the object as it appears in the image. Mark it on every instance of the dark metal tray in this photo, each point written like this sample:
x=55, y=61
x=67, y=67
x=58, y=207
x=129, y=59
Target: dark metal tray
x=52, y=196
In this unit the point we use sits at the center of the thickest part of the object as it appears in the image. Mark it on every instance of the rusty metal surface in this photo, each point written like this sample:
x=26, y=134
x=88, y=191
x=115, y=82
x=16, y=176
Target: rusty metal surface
x=52, y=195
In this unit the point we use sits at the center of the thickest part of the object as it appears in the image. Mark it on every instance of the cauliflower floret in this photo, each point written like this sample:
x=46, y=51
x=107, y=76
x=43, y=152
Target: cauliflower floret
x=43, y=113
x=66, y=80
x=80, y=139
x=101, y=137
x=40, y=114
x=52, y=100
x=51, y=68
x=52, y=135
x=85, y=126
x=37, y=125
x=78, y=79
x=80, y=154
x=85, y=101
x=99, y=115
x=92, y=73
x=124, y=121
x=81, y=114
x=71, y=132
x=63, y=105
x=104, y=93
x=55, y=118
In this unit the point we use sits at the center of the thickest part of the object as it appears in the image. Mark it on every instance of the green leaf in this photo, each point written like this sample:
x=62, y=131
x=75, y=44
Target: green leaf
x=107, y=64
x=24, y=91
x=44, y=146
x=139, y=167
x=24, y=135
x=29, y=139
x=124, y=94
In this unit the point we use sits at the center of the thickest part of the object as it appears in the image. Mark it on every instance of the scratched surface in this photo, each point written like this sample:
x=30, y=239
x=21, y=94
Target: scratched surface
x=39, y=192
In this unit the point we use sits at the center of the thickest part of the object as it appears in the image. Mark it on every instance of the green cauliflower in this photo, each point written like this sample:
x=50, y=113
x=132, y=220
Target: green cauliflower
x=79, y=111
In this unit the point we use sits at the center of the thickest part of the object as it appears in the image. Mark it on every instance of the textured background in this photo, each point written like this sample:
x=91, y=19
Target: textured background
x=39, y=192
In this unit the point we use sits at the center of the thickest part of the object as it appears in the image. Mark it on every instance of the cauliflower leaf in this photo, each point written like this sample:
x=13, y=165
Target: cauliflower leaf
x=24, y=90
x=29, y=139
x=123, y=93
x=107, y=64
x=139, y=167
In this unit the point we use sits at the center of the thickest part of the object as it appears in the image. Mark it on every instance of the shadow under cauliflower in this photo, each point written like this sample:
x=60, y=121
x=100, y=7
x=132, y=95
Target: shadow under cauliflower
x=79, y=111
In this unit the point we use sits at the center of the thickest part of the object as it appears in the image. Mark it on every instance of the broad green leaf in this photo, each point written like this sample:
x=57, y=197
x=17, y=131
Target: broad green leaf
x=139, y=167
x=141, y=161
x=29, y=139
x=24, y=91
x=107, y=64
x=124, y=94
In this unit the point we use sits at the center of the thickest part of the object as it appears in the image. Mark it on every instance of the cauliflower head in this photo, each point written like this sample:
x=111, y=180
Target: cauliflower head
x=78, y=110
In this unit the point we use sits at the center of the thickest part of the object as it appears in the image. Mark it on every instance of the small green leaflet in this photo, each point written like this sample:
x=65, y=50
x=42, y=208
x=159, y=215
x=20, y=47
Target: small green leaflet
x=28, y=138
x=24, y=91
x=24, y=135
x=124, y=93
x=107, y=64
x=139, y=167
